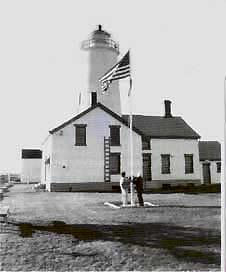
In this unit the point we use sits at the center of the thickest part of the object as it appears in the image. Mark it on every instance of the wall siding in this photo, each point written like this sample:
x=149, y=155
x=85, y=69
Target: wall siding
x=86, y=163
x=176, y=148
x=46, y=153
x=31, y=170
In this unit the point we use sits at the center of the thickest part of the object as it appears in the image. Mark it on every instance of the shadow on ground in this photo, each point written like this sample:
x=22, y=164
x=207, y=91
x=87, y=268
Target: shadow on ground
x=189, y=244
x=157, y=206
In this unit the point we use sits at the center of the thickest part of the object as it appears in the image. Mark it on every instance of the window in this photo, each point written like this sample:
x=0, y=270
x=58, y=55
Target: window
x=218, y=167
x=114, y=163
x=80, y=134
x=165, y=163
x=188, y=159
x=115, y=135
x=145, y=144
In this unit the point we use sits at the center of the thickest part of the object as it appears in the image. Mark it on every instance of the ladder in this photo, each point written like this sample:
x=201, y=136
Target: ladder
x=107, y=176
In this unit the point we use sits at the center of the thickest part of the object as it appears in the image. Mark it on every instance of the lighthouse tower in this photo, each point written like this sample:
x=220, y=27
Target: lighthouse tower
x=102, y=55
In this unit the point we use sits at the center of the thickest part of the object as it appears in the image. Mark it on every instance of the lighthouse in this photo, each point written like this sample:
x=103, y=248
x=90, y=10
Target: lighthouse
x=103, y=53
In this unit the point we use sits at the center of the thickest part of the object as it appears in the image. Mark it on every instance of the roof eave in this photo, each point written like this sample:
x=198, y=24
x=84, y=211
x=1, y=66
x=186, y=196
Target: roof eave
x=113, y=114
x=176, y=137
x=72, y=119
x=210, y=159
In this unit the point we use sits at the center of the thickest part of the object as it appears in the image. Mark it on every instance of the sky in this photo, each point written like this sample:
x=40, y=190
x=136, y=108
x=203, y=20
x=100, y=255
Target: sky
x=177, y=53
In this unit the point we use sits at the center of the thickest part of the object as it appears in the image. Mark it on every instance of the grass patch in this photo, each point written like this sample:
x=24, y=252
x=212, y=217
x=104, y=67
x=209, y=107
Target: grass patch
x=98, y=247
x=75, y=231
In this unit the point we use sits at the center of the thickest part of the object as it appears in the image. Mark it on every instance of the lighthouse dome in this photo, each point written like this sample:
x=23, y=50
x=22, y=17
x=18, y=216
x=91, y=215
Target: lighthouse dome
x=100, y=32
x=100, y=38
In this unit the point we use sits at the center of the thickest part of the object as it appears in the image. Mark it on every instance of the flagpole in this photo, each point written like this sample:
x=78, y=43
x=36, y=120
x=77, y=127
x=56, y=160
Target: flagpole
x=223, y=188
x=132, y=202
x=120, y=70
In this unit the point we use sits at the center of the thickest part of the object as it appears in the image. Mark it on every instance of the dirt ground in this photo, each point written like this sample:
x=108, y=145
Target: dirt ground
x=76, y=231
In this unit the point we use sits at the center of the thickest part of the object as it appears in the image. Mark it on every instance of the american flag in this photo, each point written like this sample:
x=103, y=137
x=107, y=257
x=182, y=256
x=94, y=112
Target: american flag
x=118, y=71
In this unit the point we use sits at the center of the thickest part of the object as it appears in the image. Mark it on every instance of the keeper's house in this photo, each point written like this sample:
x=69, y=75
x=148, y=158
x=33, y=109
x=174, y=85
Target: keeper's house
x=210, y=161
x=89, y=151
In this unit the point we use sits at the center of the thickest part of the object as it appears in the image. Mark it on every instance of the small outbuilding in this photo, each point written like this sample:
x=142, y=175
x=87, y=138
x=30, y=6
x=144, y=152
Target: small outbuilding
x=31, y=165
x=210, y=161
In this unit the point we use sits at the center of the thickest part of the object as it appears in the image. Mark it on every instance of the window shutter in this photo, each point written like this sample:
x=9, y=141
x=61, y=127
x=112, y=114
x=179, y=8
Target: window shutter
x=189, y=168
x=115, y=135
x=115, y=163
x=80, y=135
x=165, y=163
x=145, y=144
x=218, y=167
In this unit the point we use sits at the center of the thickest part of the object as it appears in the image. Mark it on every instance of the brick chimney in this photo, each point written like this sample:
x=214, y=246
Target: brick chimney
x=168, y=109
x=93, y=99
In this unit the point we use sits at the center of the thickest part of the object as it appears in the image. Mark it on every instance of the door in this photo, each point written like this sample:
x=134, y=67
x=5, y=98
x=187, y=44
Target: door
x=206, y=173
x=147, y=166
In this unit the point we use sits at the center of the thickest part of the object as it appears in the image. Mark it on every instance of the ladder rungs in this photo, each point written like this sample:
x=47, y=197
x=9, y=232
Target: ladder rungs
x=107, y=151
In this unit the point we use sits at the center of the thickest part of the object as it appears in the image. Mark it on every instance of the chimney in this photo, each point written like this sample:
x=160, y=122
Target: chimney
x=167, y=109
x=93, y=99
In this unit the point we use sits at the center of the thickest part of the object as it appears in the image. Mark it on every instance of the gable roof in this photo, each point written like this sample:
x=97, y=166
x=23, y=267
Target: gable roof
x=146, y=126
x=101, y=106
x=209, y=150
x=162, y=127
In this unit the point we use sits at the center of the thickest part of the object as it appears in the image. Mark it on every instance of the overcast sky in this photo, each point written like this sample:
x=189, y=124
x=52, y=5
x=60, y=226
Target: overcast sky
x=178, y=51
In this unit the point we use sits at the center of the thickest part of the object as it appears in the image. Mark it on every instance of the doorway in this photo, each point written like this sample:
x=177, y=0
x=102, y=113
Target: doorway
x=147, y=167
x=206, y=173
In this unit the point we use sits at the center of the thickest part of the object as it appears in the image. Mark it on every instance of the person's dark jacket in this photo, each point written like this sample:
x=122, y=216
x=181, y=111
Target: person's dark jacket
x=138, y=181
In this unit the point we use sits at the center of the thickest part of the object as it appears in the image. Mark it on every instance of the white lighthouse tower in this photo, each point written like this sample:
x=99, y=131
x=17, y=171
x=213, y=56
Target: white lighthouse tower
x=102, y=55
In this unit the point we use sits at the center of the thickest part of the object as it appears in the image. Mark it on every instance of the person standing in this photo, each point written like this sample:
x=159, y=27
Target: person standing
x=124, y=189
x=138, y=181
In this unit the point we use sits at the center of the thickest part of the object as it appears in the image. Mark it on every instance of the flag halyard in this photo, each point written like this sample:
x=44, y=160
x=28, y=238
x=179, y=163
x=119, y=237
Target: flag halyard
x=119, y=71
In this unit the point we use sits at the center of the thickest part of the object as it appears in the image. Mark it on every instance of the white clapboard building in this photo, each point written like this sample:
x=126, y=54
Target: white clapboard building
x=89, y=151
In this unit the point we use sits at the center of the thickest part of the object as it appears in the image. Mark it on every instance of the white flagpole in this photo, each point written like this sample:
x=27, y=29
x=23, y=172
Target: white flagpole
x=223, y=189
x=132, y=202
